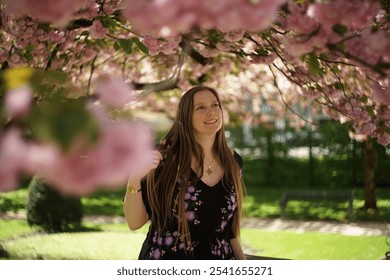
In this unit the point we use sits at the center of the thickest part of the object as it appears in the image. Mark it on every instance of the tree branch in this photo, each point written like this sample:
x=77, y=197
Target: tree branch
x=284, y=101
x=191, y=52
x=375, y=68
x=169, y=83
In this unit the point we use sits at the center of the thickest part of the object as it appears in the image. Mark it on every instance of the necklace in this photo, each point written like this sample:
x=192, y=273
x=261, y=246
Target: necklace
x=209, y=171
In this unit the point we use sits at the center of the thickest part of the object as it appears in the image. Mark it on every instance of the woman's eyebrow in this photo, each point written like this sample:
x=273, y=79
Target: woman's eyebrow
x=202, y=103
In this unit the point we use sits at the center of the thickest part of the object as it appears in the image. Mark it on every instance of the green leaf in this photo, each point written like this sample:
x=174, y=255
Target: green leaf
x=126, y=45
x=140, y=45
x=371, y=111
x=215, y=35
x=262, y=52
x=108, y=22
x=84, y=33
x=313, y=65
x=62, y=121
x=338, y=47
x=340, y=29
x=338, y=85
x=117, y=46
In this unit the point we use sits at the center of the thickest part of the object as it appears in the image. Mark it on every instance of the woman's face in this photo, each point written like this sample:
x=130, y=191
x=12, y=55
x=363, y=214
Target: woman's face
x=207, y=115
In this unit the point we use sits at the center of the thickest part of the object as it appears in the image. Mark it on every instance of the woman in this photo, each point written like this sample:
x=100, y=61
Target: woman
x=192, y=190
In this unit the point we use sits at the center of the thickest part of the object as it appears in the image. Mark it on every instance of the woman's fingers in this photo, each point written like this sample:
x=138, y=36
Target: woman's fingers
x=156, y=158
x=149, y=162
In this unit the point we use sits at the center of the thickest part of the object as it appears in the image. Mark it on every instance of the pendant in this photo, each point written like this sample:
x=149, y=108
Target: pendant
x=209, y=171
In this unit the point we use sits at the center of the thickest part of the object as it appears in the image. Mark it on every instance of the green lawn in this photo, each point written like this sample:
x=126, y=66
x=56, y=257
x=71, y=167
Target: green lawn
x=116, y=242
x=11, y=228
x=107, y=241
x=314, y=246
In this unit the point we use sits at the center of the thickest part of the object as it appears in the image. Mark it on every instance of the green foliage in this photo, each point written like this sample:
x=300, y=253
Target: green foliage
x=125, y=44
x=115, y=242
x=52, y=211
x=61, y=121
x=140, y=45
x=340, y=29
x=104, y=203
x=314, y=246
x=339, y=164
x=13, y=201
x=12, y=228
x=77, y=246
x=56, y=117
x=314, y=66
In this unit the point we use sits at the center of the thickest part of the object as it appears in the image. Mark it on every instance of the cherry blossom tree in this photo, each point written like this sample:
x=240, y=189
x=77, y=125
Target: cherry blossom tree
x=100, y=55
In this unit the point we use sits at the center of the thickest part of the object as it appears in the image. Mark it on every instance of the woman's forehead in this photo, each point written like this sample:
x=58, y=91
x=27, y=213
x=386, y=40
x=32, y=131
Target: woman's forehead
x=204, y=96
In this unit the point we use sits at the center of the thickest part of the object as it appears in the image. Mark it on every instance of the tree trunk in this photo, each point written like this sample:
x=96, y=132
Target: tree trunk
x=370, y=161
x=354, y=163
x=269, y=178
x=311, y=159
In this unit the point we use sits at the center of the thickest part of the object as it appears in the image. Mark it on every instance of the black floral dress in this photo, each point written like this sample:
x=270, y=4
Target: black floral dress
x=210, y=211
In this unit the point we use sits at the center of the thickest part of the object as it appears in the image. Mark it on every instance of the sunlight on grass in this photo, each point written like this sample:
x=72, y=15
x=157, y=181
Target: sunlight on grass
x=11, y=228
x=314, y=246
x=253, y=209
x=13, y=201
x=117, y=242
x=104, y=203
x=117, y=228
x=78, y=246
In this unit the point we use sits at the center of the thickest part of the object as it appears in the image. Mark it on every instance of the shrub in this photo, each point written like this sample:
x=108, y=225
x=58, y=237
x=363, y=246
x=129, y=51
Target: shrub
x=52, y=211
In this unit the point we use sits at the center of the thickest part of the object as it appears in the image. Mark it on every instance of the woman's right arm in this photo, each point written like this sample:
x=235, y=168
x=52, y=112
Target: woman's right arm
x=133, y=204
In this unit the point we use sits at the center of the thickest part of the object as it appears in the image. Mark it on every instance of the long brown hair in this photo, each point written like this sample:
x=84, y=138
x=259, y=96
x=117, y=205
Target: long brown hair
x=177, y=148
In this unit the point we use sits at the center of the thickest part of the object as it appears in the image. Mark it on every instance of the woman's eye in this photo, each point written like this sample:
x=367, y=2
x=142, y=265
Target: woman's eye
x=200, y=108
x=215, y=105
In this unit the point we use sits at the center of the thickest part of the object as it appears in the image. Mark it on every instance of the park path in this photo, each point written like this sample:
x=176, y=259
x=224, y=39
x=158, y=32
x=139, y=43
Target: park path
x=347, y=228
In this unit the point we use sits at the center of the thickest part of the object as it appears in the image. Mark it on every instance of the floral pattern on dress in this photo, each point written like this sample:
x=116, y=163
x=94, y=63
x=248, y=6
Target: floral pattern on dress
x=191, y=204
x=168, y=242
x=228, y=212
x=173, y=241
x=222, y=249
x=210, y=232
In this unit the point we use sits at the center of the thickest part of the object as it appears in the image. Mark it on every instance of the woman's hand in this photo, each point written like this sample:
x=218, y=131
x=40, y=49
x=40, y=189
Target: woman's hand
x=149, y=162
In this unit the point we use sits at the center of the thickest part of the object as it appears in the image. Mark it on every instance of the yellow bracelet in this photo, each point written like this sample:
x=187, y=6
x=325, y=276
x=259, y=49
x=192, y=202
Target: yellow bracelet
x=131, y=190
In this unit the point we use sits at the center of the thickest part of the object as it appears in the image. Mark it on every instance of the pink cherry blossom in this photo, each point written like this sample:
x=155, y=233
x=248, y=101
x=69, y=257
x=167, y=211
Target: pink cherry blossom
x=384, y=139
x=182, y=16
x=108, y=163
x=12, y=151
x=381, y=93
x=18, y=101
x=114, y=92
x=54, y=11
x=234, y=36
x=152, y=43
x=97, y=30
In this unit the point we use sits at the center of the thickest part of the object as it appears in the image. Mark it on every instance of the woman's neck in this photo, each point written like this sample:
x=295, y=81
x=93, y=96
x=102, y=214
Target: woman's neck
x=207, y=143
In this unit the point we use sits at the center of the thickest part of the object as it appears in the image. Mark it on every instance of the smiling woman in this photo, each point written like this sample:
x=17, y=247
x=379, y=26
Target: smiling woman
x=207, y=116
x=192, y=189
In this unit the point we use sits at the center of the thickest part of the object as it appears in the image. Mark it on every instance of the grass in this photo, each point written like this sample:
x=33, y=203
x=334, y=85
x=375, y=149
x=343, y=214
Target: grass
x=116, y=242
x=77, y=246
x=12, y=228
x=314, y=246
x=104, y=203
